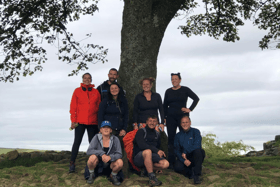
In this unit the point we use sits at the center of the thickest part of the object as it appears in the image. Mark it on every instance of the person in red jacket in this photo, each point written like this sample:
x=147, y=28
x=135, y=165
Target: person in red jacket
x=84, y=110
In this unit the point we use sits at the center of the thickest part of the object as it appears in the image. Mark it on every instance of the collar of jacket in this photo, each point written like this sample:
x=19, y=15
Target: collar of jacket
x=143, y=93
x=99, y=136
x=187, y=130
x=87, y=87
x=149, y=129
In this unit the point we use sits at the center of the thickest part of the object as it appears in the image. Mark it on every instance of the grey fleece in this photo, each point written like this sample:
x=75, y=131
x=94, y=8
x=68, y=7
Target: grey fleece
x=96, y=147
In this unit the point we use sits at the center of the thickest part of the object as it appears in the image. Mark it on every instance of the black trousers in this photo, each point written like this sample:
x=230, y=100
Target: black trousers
x=79, y=133
x=196, y=157
x=172, y=122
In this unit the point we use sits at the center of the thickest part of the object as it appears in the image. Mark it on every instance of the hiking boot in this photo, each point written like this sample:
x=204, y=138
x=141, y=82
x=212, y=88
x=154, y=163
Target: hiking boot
x=72, y=167
x=114, y=179
x=91, y=178
x=153, y=181
x=143, y=172
x=196, y=179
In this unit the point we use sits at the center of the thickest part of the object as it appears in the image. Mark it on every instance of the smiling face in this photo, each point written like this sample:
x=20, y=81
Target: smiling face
x=146, y=85
x=106, y=131
x=86, y=79
x=185, y=123
x=175, y=80
x=151, y=123
x=113, y=75
x=114, y=90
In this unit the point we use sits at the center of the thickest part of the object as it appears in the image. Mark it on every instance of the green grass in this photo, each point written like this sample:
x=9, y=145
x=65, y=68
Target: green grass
x=162, y=178
x=175, y=180
x=258, y=180
x=27, y=162
x=4, y=176
x=239, y=176
x=4, y=150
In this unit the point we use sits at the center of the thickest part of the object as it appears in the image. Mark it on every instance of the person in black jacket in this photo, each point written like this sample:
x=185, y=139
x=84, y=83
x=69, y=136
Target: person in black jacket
x=104, y=87
x=188, y=150
x=114, y=109
x=147, y=103
x=146, y=150
x=175, y=106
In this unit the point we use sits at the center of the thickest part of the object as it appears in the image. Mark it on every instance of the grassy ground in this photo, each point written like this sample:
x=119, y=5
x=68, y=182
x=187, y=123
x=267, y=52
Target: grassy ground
x=6, y=150
x=231, y=172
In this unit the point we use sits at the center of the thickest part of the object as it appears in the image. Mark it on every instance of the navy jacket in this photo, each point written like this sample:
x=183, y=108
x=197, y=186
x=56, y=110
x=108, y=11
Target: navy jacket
x=143, y=108
x=116, y=113
x=104, y=89
x=187, y=142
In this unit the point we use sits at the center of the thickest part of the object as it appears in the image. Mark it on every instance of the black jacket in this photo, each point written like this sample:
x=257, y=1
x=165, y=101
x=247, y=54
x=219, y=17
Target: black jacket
x=104, y=89
x=115, y=112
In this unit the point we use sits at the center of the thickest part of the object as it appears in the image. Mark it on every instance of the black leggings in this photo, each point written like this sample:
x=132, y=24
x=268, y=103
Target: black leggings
x=172, y=122
x=196, y=157
x=79, y=133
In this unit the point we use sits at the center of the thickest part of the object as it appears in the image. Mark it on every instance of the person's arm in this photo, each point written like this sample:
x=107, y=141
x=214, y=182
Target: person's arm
x=97, y=100
x=93, y=147
x=101, y=111
x=125, y=115
x=177, y=148
x=165, y=104
x=161, y=110
x=194, y=97
x=73, y=107
x=99, y=89
x=118, y=153
x=139, y=139
x=135, y=109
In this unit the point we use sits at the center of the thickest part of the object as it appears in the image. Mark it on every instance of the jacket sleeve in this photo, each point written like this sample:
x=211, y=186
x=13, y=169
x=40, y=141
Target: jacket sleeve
x=125, y=115
x=101, y=111
x=177, y=148
x=118, y=153
x=99, y=88
x=97, y=101
x=73, y=107
x=135, y=109
x=139, y=139
x=165, y=104
x=161, y=110
x=195, y=99
x=93, y=147
x=196, y=143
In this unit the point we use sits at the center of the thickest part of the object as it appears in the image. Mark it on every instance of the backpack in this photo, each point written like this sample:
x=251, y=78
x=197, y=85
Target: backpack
x=128, y=145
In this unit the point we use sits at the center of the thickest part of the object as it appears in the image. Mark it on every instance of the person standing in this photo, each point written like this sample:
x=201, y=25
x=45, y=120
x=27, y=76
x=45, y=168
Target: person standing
x=175, y=106
x=83, y=109
x=190, y=155
x=104, y=87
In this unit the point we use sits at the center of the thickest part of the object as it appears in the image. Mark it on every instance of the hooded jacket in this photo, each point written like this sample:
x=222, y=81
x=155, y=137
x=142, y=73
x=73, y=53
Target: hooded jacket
x=104, y=89
x=84, y=105
x=96, y=147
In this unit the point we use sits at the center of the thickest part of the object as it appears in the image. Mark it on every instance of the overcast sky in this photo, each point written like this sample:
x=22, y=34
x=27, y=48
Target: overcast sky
x=238, y=85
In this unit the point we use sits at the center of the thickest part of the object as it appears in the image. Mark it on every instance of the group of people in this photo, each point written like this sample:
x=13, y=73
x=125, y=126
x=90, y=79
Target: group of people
x=103, y=112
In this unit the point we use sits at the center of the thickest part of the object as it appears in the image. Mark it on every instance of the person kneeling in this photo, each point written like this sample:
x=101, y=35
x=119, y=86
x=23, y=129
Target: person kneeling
x=105, y=150
x=187, y=148
x=146, y=150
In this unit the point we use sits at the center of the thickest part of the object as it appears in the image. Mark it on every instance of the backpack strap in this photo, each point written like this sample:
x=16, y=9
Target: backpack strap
x=145, y=131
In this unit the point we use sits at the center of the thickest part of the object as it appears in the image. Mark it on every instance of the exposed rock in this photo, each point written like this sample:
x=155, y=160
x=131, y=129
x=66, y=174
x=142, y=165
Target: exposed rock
x=277, y=137
x=12, y=155
x=35, y=154
x=213, y=177
x=24, y=155
x=47, y=156
x=128, y=183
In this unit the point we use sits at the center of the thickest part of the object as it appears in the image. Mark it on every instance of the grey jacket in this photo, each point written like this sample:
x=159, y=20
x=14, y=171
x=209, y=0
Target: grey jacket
x=96, y=147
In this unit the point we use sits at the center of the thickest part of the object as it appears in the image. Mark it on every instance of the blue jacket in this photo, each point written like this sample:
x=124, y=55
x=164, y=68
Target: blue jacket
x=187, y=142
x=116, y=113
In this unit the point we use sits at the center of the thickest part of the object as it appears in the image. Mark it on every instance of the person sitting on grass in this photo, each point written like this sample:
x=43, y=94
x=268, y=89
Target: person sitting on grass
x=105, y=155
x=187, y=148
x=146, y=150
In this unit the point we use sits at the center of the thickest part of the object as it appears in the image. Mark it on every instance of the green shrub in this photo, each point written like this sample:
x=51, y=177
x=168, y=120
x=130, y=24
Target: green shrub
x=214, y=148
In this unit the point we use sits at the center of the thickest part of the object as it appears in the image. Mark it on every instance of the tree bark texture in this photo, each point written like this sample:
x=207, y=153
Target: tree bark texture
x=144, y=24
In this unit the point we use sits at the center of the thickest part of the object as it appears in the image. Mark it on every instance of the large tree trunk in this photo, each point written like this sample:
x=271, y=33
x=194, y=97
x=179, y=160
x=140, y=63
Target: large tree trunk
x=144, y=24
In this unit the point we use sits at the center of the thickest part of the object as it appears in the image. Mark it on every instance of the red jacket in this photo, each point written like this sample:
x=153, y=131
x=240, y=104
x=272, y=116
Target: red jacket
x=84, y=105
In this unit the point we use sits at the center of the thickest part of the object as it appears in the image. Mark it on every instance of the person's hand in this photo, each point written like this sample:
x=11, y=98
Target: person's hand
x=162, y=127
x=161, y=153
x=157, y=129
x=186, y=110
x=187, y=162
x=135, y=126
x=165, y=121
x=74, y=125
x=184, y=156
x=106, y=158
x=122, y=133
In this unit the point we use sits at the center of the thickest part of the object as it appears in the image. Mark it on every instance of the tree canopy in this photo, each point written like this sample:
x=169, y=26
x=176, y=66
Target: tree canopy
x=25, y=25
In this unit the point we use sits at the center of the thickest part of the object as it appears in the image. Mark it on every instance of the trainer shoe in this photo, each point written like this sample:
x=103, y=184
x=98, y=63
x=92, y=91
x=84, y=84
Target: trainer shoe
x=91, y=178
x=72, y=167
x=114, y=179
x=153, y=181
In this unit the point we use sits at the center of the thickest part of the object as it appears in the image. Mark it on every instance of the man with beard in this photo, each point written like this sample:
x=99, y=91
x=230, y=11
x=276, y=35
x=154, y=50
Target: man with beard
x=187, y=148
x=104, y=87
